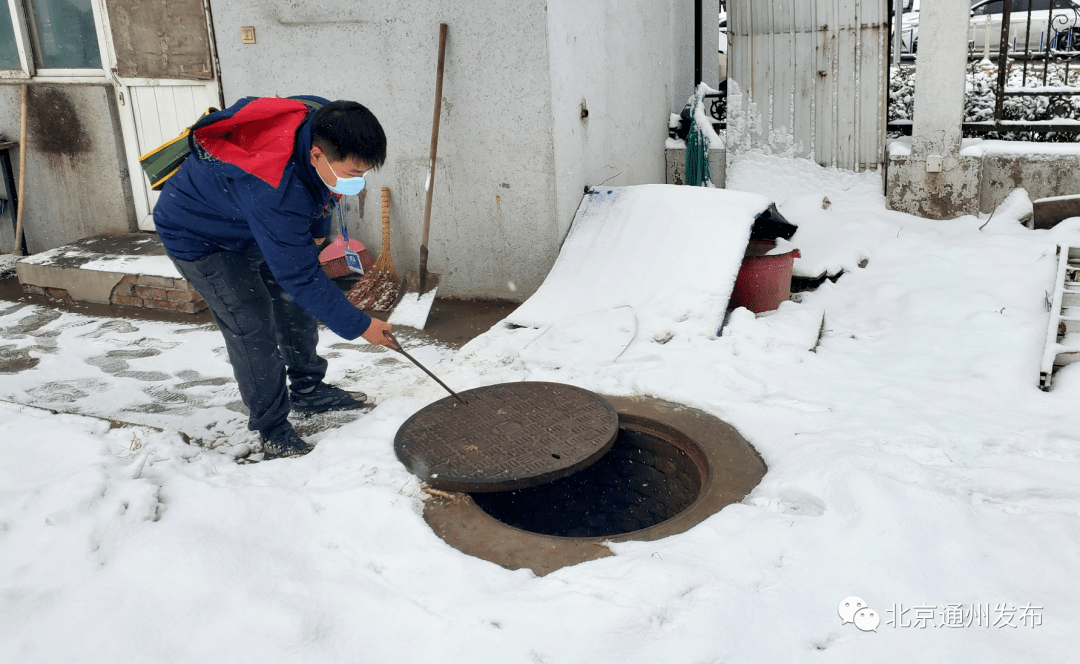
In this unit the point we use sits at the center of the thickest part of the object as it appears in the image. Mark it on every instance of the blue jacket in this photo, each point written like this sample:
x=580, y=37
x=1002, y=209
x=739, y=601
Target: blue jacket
x=235, y=190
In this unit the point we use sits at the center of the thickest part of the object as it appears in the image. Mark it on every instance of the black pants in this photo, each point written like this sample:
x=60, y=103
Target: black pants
x=267, y=334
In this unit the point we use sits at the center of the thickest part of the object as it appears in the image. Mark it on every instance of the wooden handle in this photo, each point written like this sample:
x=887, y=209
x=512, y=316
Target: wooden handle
x=22, y=177
x=386, y=218
x=432, y=155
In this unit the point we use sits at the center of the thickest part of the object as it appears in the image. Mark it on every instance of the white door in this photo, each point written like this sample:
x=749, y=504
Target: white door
x=159, y=111
x=160, y=91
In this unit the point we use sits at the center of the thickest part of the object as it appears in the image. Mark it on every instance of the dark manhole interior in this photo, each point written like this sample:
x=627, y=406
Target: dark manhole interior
x=645, y=479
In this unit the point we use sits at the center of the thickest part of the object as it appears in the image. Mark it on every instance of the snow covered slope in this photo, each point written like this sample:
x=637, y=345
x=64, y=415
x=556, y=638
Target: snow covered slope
x=671, y=253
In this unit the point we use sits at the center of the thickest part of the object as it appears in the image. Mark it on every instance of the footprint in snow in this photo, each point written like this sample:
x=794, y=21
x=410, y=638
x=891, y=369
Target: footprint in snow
x=66, y=391
x=115, y=363
x=789, y=501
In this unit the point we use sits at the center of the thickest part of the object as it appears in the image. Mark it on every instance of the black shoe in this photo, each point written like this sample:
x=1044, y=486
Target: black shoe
x=282, y=441
x=327, y=397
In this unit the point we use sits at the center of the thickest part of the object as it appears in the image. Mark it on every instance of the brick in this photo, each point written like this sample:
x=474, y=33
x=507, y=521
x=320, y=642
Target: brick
x=130, y=279
x=183, y=285
x=182, y=296
x=160, y=304
x=127, y=301
x=123, y=290
x=191, y=307
x=151, y=293
x=33, y=290
x=156, y=282
x=60, y=293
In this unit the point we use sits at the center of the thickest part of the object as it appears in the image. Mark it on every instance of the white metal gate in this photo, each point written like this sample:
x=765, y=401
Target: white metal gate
x=809, y=78
x=159, y=111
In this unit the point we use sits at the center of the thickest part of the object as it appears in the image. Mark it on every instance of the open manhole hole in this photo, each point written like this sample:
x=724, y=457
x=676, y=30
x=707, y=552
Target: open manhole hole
x=647, y=477
x=669, y=468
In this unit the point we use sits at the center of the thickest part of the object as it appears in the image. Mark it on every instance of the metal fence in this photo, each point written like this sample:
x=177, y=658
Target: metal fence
x=1056, y=45
x=1045, y=50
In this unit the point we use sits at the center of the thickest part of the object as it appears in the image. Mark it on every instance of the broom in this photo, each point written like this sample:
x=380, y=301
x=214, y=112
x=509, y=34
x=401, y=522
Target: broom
x=378, y=288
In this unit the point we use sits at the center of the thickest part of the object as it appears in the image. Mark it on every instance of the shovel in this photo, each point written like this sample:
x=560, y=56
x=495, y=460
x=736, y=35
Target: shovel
x=418, y=289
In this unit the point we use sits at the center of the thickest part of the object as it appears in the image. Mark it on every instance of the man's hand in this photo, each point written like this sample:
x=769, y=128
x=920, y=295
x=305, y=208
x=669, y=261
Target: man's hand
x=375, y=334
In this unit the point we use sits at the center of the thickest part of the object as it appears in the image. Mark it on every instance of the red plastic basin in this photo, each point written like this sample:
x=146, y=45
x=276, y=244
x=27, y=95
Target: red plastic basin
x=764, y=281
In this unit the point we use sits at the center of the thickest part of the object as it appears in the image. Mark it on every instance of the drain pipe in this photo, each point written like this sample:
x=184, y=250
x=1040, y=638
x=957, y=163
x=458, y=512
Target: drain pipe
x=697, y=43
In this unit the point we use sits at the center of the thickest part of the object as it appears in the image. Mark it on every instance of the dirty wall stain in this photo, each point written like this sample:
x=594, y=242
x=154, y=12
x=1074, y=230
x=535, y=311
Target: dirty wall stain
x=54, y=125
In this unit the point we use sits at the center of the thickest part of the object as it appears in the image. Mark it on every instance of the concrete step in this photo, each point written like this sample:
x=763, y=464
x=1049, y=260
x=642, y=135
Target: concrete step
x=131, y=270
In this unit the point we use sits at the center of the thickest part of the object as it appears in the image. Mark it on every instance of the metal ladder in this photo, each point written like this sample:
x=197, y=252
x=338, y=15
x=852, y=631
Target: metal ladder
x=1064, y=309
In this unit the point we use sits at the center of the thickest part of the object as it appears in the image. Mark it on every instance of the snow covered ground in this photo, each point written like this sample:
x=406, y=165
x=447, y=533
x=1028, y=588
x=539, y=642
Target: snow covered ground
x=913, y=463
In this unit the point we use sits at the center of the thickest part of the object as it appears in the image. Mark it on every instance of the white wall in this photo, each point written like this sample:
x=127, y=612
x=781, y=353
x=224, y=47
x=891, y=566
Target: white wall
x=493, y=202
x=514, y=155
x=630, y=63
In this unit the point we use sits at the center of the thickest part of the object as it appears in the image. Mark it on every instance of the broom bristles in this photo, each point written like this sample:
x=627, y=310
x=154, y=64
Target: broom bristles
x=385, y=267
x=378, y=288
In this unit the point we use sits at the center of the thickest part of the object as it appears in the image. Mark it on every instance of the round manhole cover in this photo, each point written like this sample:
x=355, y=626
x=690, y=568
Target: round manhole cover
x=508, y=436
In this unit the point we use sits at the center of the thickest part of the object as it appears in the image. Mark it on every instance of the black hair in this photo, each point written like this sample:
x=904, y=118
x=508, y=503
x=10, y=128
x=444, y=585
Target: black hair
x=346, y=130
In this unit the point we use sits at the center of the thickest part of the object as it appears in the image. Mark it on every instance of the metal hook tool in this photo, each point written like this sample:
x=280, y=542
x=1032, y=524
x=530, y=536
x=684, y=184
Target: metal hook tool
x=395, y=345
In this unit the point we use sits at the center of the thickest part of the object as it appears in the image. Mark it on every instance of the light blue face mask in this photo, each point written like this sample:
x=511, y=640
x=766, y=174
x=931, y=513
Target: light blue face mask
x=344, y=186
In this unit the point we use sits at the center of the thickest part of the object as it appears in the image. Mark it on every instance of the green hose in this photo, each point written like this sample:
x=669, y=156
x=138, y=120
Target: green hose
x=697, y=150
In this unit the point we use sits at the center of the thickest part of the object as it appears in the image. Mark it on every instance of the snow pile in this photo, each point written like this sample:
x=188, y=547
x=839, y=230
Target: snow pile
x=53, y=255
x=7, y=264
x=779, y=178
x=159, y=266
x=696, y=107
x=790, y=327
x=703, y=119
x=912, y=462
x=1015, y=209
x=979, y=147
x=594, y=338
x=413, y=309
x=839, y=213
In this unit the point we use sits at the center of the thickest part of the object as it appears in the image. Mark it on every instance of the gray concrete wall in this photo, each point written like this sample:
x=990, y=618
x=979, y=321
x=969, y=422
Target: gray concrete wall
x=676, y=166
x=979, y=184
x=1042, y=176
x=493, y=217
x=77, y=180
x=945, y=195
